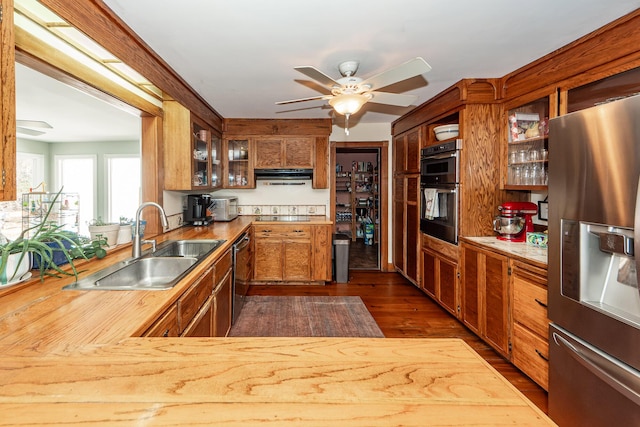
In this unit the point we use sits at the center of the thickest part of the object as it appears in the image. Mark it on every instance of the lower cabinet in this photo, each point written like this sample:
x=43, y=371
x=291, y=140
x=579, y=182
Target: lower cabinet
x=204, y=309
x=222, y=297
x=504, y=301
x=530, y=327
x=440, y=274
x=292, y=253
x=485, y=295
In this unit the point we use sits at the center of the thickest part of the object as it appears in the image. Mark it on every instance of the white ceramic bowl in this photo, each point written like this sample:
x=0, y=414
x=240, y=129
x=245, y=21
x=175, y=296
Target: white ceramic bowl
x=446, y=132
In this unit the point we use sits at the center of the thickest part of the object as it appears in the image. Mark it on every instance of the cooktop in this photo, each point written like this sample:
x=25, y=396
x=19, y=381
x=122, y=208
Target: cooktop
x=282, y=218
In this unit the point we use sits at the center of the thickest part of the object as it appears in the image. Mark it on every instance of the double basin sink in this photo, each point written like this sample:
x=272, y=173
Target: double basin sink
x=158, y=270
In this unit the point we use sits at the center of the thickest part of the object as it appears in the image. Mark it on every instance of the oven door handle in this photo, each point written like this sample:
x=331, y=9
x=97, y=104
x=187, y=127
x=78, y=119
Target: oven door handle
x=446, y=191
x=440, y=156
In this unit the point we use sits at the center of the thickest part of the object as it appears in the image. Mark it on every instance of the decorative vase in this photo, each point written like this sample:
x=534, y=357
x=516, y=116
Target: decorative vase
x=109, y=232
x=124, y=234
x=15, y=269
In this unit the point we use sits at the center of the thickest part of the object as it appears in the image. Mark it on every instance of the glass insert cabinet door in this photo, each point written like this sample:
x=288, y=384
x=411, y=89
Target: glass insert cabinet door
x=216, y=164
x=239, y=173
x=201, y=143
x=527, y=153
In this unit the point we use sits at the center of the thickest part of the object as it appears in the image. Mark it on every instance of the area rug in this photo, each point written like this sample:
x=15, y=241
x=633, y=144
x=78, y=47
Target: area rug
x=305, y=316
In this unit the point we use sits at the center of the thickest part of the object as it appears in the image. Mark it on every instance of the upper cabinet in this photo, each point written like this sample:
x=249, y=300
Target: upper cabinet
x=276, y=144
x=604, y=90
x=191, y=151
x=286, y=152
x=406, y=151
x=526, y=153
x=238, y=160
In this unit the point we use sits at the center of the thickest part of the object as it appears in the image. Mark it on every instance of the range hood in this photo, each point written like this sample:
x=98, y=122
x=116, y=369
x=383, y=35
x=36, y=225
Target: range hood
x=283, y=174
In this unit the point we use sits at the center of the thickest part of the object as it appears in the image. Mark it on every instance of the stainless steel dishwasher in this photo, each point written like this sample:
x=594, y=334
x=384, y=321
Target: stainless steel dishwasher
x=242, y=269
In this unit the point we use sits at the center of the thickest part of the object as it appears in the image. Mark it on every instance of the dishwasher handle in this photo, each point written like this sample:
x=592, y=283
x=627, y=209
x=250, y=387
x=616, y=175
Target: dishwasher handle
x=242, y=242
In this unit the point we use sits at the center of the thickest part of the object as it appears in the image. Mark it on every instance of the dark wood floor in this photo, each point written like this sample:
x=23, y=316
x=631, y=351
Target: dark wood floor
x=363, y=257
x=403, y=311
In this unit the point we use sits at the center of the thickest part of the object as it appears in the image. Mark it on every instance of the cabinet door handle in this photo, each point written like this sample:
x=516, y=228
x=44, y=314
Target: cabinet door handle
x=540, y=302
x=166, y=333
x=542, y=355
x=298, y=231
x=266, y=231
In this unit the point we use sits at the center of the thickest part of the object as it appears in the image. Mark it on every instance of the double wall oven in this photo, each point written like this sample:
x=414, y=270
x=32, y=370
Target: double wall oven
x=440, y=189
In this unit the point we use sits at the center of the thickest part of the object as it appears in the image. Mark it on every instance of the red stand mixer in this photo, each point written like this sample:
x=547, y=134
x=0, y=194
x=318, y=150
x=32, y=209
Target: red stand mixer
x=515, y=221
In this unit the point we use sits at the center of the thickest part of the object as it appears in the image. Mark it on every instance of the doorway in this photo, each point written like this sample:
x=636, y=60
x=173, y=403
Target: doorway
x=359, y=206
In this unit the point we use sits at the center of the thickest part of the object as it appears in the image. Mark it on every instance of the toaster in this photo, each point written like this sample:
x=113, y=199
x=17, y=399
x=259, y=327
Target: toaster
x=224, y=208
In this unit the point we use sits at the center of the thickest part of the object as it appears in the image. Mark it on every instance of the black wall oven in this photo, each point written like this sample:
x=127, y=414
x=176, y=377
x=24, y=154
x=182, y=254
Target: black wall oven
x=439, y=190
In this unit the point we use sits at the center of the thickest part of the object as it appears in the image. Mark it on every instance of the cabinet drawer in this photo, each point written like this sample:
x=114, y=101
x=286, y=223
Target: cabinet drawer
x=282, y=231
x=530, y=306
x=191, y=301
x=223, y=265
x=531, y=354
x=166, y=326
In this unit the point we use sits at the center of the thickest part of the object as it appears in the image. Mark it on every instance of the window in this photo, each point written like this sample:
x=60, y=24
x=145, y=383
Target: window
x=29, y=175
x=77, y=174
x=123, y=186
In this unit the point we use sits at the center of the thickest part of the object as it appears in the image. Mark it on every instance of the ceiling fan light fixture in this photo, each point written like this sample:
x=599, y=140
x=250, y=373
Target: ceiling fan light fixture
x=349, y=103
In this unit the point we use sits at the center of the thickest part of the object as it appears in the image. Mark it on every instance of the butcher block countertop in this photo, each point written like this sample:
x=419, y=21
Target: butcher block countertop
x=73, y=357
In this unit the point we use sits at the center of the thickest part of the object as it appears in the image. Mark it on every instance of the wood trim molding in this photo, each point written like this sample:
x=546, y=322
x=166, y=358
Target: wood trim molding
x=98, y=22
x=614, y=42
x=7, y=104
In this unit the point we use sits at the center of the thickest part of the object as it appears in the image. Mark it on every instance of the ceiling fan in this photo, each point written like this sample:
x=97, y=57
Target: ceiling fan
x=29, y=127
x=349, y=93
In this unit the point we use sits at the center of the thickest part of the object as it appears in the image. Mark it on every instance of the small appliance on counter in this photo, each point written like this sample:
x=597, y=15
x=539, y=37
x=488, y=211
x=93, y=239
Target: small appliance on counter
x=224, y=208
x=197, y=210
x=515, y=222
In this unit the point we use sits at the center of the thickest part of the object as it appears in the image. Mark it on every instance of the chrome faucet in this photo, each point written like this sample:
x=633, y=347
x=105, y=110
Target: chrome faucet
x=137, y=242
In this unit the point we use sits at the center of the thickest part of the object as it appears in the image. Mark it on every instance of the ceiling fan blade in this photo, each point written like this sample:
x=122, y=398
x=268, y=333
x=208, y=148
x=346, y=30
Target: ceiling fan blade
x=313, y=98
x=34, y=124
x=411, y=68
x=396, y=99
x=317, y=75
x=30, y=132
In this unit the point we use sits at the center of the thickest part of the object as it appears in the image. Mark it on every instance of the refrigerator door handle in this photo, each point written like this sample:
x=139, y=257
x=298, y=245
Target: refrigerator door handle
x=620, y=379
x=636, y=233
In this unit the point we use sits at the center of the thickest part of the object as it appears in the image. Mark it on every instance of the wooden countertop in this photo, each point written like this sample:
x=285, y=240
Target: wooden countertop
x=263, y=381
x=69, y=357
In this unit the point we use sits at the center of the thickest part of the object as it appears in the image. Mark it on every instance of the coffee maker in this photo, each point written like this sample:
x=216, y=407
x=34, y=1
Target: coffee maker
x=197, y=210
x=515, y=221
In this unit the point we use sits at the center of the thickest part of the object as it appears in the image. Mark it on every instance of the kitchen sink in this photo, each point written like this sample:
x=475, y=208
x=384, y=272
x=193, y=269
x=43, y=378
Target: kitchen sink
x=186, y=248
x=158, y=270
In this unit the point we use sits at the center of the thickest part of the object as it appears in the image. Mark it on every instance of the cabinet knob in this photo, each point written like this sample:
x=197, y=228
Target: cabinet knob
x=166, y=333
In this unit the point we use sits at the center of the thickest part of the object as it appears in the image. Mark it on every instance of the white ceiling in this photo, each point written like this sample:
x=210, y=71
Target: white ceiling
x=239, y=55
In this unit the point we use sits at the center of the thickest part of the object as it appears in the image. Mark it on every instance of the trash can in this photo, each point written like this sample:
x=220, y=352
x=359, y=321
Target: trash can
x=341, y=258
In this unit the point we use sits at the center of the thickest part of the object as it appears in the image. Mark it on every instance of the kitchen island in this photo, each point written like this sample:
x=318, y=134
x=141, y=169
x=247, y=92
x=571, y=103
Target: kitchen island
x=75, y=357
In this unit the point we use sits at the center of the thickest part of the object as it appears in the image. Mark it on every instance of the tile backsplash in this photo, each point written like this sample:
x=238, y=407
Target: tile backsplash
x=282, y=209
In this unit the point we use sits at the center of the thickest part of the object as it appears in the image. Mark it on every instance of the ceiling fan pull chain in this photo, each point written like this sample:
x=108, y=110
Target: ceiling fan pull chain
x=346, y=124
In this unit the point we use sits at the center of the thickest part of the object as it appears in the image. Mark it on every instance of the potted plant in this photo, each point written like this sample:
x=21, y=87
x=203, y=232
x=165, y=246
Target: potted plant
x=43, y=241
x=124, y=233
x=106, y=230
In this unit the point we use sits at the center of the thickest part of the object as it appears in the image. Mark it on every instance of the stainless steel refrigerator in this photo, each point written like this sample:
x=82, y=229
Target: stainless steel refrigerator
x=594, y=232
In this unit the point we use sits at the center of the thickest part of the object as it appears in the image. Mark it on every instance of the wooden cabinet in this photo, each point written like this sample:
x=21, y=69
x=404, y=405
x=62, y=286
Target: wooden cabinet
x=223, y=300
x=292, y=253
x=526, y=153
x=484, y=295
x=204, y=309
x=192, y=150
x=166, y=325
x=293, y=143
x=439, y=276
x=237, y=158
x=286, y=152
x=282, y=252
x=406, y=151
x=530, y=322
x=7, y=104
x=406, y=224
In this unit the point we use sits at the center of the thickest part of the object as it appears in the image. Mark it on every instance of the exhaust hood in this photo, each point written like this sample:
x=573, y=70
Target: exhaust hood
x=283, y=174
